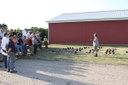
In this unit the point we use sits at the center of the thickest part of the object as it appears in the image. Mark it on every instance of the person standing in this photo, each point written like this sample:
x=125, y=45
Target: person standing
x=29, y=41
x=5, y=41
x=11, y=55
x=45, y=42
x=0, y=49
x=1, y=33
x=24, y=33
x=96, y=44
x=34, y=43
x=24, y=45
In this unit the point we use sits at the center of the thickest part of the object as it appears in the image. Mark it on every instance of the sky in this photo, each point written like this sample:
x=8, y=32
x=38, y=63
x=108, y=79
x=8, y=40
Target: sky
x=34, y=13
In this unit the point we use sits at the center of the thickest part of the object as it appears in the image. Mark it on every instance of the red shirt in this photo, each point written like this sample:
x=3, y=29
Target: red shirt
x=29, y=42
x=15, y=40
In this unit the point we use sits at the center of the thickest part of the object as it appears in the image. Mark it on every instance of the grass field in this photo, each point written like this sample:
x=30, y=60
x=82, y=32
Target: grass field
x=59, y=52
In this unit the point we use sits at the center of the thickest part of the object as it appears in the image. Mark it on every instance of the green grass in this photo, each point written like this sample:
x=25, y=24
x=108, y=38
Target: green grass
x=52, y=54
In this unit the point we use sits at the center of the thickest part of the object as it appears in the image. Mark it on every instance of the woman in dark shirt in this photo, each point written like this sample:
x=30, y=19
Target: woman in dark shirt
x=11, y=55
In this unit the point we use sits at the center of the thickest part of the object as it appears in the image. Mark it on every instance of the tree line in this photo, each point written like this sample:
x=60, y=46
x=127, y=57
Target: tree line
x=43, y=31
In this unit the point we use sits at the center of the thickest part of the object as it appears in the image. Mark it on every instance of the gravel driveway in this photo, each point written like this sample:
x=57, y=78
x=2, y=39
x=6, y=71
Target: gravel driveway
x=37, y=72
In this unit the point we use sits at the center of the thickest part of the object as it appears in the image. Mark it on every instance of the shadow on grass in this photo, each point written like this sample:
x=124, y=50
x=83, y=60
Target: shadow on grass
x=51, y=54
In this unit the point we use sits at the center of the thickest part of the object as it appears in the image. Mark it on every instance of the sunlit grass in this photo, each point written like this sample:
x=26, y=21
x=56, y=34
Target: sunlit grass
x=52, y=54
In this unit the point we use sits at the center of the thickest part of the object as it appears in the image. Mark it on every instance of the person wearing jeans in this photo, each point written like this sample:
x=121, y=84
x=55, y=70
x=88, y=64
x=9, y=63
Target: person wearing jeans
x=34, y=43
x=4, y=43
x=96, y=44
x=11, y=55
x=19, y=45
x=10, y=62
x=19, y=48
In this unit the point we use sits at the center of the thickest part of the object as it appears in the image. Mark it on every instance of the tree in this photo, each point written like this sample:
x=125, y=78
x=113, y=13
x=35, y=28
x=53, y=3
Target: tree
x=43, y=32
x=18, y=30
x=3, y=26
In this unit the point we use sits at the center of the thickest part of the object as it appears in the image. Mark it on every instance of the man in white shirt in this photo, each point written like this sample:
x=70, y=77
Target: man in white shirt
x=96, y=43
x=24, y=33
x=5, y=41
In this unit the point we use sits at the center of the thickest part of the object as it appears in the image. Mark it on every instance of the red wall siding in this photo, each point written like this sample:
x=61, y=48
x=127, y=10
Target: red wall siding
x=109, y=32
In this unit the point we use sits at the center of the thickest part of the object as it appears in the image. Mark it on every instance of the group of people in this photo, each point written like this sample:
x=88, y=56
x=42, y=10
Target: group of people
x=13, y=42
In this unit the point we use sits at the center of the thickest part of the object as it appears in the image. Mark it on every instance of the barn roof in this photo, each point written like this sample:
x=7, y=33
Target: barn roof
x=91, y=16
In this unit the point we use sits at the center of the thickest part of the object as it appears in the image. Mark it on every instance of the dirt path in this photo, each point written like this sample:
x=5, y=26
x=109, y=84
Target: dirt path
x=36, y=72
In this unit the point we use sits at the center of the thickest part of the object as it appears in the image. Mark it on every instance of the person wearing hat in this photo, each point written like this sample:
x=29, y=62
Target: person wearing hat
x=11, y=55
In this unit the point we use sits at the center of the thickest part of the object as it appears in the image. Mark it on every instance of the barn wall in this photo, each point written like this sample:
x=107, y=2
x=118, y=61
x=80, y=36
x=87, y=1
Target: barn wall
x=109, y=32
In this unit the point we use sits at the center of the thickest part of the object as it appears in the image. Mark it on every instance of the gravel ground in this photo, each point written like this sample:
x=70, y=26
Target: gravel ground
x=37, y=72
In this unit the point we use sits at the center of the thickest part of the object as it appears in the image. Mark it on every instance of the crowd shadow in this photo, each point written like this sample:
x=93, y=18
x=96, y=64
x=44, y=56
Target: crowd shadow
x=56, y=73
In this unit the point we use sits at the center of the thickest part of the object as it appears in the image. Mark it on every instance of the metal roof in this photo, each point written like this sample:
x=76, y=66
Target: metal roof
x=91, y=16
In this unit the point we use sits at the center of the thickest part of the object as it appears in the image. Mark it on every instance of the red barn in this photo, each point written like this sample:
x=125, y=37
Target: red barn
x=111, y=27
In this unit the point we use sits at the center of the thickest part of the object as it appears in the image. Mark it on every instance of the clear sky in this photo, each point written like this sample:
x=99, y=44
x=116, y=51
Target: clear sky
x=27, y=13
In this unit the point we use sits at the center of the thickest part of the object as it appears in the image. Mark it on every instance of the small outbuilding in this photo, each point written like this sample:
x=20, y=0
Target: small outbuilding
x=78, y=28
